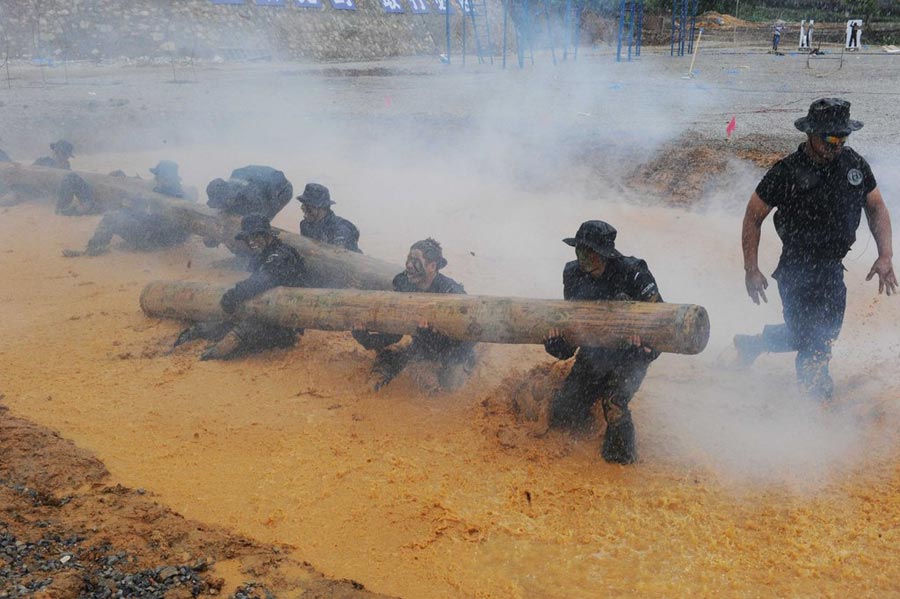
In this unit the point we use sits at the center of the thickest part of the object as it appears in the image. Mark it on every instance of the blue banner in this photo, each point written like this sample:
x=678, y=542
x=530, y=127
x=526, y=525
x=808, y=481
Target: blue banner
x=270, y=2
x=418, y=7
x=344, y=4
x=392, y=6
x=227, y=1
x=466, y=5
x=442, y=5
x=308, y=3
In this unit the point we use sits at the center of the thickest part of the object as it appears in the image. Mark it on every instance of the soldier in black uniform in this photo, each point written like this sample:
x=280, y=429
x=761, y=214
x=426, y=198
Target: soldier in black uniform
x=819, y=193
x=251, y=190
x=610, y=375
x=274, y=264
x=321, y=223
x=139, y=229
x=62, y=151
x=455, y=359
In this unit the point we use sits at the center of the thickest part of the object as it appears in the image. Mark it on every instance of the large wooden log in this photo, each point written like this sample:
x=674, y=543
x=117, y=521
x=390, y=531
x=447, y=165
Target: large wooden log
x=675, y=328
x=330, y=266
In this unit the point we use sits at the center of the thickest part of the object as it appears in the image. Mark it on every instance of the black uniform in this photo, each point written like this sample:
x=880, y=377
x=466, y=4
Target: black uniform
x=279, y=265
x=252, y=190
x=140, y=230
x=611, y=375
x=452, y=355
x=333, y=230
x=818, y=210
x=75, y=197
x=52, y=162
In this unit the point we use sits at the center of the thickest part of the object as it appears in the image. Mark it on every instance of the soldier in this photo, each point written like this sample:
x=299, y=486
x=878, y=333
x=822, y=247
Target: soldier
x=62, y=151
x=274, y=264
x=321, y=223
x=251, y=190
x=455, y=359
x=819, y=193
x=610, y=375
x=139, y=229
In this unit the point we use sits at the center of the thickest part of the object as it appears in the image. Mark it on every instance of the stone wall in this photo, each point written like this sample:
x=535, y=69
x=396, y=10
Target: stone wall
x=110, y=29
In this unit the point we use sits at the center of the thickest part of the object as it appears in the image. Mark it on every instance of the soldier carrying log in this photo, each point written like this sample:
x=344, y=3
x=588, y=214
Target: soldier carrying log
x=138, y=228
x=274, y=264
x=454, y=359
x=608, y=375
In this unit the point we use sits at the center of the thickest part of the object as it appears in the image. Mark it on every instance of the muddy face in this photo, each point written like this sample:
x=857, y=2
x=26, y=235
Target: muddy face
x=419, y=271
x=258, y=241
x=313, y=214
x=590, y=261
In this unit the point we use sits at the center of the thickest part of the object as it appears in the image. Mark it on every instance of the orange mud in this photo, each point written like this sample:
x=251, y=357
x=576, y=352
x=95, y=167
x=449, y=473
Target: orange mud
x=446, y=496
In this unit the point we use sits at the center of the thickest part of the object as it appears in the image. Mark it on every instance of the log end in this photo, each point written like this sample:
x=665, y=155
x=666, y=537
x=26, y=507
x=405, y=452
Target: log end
x=693, y=330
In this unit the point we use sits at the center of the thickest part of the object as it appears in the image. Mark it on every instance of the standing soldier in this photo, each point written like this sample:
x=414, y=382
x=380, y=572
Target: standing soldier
x=455, y=359
x=321, y=223
x=610, y=375
x=274, y=264
x=819, y=193
x=62, y=151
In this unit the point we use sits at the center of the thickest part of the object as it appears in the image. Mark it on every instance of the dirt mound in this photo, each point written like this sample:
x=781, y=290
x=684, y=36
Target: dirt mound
x=65, y=531
x=716, y=20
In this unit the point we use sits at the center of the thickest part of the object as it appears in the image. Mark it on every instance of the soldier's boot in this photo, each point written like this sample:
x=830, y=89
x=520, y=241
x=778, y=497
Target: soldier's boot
x=224, y=349
x=749, y=347
x=619, y=442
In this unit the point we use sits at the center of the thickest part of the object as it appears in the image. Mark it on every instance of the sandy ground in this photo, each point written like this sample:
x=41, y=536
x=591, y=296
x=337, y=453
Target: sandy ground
x=743, y=487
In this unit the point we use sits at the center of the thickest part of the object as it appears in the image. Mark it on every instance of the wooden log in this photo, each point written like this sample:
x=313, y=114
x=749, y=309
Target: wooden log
x=675, y=328
x=330, y=266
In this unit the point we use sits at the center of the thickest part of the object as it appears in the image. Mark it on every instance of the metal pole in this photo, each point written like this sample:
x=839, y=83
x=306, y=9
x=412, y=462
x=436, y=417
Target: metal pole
x=578, y=10
x=672, y=51
x=640, y=28
x=550, y=31
x=447, y=26
x=567, y=29
x=462, y=7
x=630, y=30
x=520, y=38
x=621, y=26
x=505, y=27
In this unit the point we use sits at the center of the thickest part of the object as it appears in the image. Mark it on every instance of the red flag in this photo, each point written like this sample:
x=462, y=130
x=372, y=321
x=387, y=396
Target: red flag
x=730, y=128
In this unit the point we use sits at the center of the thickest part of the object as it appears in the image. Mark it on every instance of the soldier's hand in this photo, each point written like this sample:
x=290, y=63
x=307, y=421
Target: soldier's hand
x=359, y=327
x=756, y=285
x=425, y=325
x=553, y=334
x=638, y=343
x=887, y=280
x=228, y=302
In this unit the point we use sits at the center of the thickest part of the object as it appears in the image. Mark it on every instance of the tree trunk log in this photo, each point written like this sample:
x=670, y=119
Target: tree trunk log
x=330, y=266
x=675, y=328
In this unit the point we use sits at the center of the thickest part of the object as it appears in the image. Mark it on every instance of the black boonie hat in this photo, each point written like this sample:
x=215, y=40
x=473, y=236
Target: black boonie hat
x=166, y=168
x=597, y=235
x=63, y=147
x=254, y=224
x=828, y=116
x=315, y=195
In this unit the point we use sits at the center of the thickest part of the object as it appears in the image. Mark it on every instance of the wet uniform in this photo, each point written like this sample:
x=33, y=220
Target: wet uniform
x=456, y=358
x=278, y=265
x=252, y=190
x=818, y=208
x=52, y=162
x=140, y=230
x=333, y=230
x=611, y=375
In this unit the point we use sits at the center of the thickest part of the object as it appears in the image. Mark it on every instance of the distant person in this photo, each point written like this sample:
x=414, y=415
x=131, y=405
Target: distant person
x=819, y=194
x=776, y=37
x=274, y=264
x=62, y=151
x=251, y=190
x=610, y=375
x=321, y=223
x=139, y=228
x=854, y=36
x=454, y=360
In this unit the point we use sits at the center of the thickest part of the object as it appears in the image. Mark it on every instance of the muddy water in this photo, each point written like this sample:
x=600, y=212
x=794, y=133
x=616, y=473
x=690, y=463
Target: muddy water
x=743, y=488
